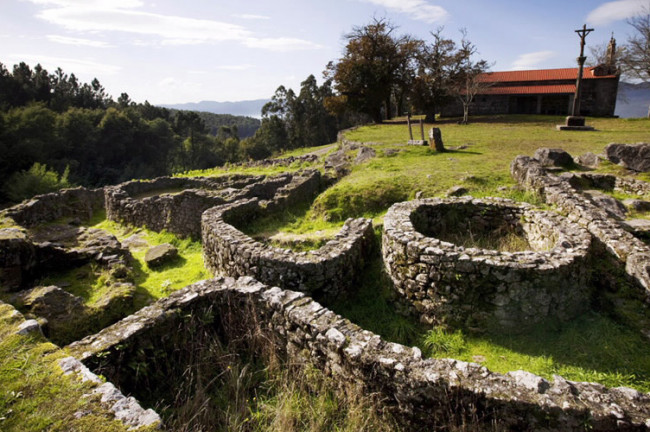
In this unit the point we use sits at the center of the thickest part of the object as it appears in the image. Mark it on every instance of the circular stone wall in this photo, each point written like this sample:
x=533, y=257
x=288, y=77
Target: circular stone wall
x=485, y=289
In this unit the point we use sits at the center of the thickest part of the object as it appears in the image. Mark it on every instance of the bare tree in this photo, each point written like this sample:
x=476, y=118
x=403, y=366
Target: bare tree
x=636, y=60
x=466, y=78
x=431, y=83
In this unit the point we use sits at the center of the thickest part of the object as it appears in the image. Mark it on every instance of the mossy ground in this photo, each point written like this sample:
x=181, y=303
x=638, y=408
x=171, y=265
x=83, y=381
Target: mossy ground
x=34, y=393
x=156, y=283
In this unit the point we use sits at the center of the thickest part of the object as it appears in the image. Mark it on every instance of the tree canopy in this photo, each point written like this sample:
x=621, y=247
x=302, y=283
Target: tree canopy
x=382, y=74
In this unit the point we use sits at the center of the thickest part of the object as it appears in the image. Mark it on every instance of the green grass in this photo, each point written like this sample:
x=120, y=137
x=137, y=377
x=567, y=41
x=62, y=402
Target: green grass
x=237, y=169
x=297, y=220
x=34, y=393
x=160, y=282
x=593, y=348
x=483, y=167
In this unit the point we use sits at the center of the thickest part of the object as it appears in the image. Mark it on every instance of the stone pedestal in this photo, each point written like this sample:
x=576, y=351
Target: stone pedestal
x=575, y=123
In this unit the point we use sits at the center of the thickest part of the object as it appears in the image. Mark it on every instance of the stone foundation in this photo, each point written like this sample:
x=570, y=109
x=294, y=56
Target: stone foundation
x=622, y=245
x=78, y=203
x=329, y=271
x=175, y=204
x=483, y=289
x=422, y=393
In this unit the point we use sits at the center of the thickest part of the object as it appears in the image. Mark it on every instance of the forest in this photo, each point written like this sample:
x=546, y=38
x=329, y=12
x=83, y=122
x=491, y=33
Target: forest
x=56, y=131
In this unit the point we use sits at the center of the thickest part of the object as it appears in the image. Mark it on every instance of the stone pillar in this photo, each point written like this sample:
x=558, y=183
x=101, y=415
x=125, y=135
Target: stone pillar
x=436, y=139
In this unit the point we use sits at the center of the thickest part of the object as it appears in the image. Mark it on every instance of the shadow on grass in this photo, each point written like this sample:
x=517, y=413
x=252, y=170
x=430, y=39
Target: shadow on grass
x=372, y=307
x=599, y=345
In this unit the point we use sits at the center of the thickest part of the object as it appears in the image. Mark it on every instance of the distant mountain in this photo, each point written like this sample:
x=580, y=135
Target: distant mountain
x=633, y=100
x=250, y=108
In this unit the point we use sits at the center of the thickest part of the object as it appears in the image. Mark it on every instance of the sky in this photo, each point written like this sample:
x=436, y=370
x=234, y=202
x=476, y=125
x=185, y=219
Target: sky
x=178, y=51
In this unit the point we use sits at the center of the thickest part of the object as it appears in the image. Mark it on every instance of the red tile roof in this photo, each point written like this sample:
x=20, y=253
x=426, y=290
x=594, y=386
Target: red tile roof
x=523, y=90
x=541, y=75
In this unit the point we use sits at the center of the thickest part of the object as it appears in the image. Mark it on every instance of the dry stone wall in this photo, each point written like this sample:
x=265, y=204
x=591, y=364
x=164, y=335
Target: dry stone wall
x=558, y=191
x=422, y=393
x=127, y=410
x=180, y=212
x=607, y=182
x=79, y=203
x=329, y=271
x=172, y=204
x=484, y=289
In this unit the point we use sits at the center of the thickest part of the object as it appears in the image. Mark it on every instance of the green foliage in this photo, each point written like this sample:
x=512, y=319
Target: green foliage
x=444, y=343
x=37, y=180
x=290, y=121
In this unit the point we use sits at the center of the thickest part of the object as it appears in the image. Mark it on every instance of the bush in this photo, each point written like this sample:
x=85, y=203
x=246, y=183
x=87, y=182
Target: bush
x=37, y=180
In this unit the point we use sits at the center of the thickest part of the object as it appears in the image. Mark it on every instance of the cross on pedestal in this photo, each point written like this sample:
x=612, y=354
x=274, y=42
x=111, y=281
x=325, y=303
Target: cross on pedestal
x=583, y=32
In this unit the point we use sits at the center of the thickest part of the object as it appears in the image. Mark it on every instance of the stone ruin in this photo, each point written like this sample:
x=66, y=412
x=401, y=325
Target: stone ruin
x=438, y=280
x=622, y=245
x=480, y=288
x=328, y=272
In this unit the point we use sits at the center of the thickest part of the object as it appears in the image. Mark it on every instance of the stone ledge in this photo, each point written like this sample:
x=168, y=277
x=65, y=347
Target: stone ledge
x=558, y=191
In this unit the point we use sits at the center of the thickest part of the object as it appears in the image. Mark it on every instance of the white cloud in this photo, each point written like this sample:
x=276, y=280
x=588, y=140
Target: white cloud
x=252, y=17
x=419, y=10
x=171, y=28
x=78, y=41
x=120, y=16
x=77, y=66
x=532, y=60
x=92, y=4
x=241, y=67
x=281, y=44
x=615, y=11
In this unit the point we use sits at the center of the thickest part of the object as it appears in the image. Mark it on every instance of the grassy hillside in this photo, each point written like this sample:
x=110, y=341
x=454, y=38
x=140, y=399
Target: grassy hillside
x=605, y=345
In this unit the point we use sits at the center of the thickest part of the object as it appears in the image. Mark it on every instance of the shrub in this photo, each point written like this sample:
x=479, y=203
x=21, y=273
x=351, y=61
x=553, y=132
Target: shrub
x=37, y=180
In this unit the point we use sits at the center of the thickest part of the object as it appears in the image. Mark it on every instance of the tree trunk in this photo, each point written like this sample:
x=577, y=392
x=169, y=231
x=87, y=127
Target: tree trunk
x=465, y=113
x=430, y=115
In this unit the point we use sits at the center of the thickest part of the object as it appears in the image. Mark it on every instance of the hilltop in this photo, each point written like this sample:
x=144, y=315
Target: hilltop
x=206, y=356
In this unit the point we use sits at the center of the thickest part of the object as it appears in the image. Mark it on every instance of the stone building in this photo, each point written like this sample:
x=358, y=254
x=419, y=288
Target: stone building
x=546, y=91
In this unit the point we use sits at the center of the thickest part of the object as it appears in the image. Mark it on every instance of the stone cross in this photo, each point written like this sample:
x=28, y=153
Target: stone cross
x=581, y=63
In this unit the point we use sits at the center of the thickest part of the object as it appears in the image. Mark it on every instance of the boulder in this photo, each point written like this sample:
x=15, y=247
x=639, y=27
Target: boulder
x=589, y=160
x=161, y=254
x=456, y=191
x=339, y=162
x=611, y=205
x=52, y=303
x=549, y=157
x=634, y=157
x=364, y=154
x=637, y=226
x=637, y=205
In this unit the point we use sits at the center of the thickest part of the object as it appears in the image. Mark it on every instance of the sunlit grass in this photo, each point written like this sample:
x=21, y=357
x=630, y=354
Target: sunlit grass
x=34, y=393
x=160, y=282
